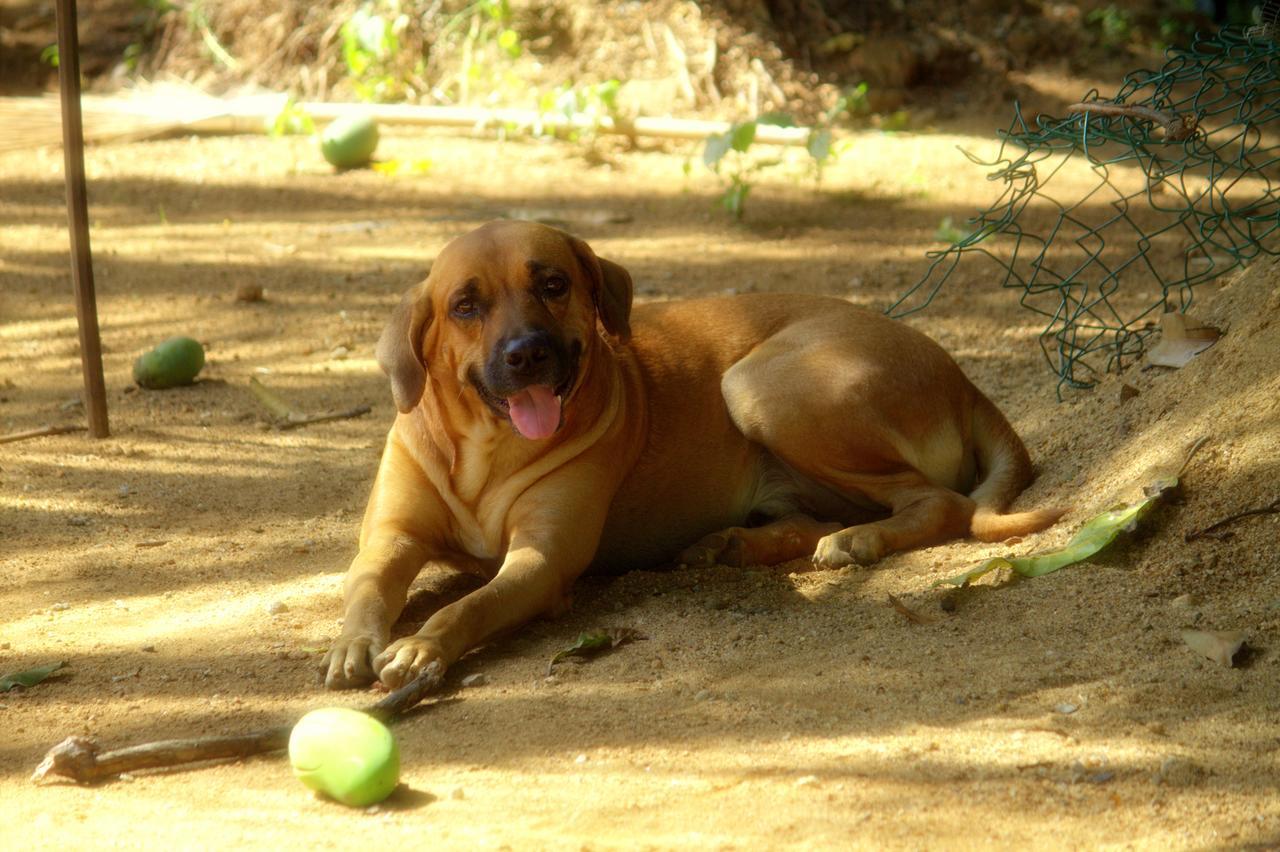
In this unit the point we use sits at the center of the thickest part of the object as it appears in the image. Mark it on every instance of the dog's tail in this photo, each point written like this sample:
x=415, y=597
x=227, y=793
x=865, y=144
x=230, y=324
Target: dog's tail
x=1006, y=470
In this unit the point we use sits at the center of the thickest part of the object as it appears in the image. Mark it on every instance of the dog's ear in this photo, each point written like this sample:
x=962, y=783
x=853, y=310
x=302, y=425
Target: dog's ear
x=611, y=289
x=399, y=349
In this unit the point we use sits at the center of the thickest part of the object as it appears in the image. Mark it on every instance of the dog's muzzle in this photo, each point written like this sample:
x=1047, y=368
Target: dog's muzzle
x=527, y=380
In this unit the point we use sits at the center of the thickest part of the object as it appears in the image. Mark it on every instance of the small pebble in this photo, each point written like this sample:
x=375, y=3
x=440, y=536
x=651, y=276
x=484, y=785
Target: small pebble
x=61, y=606
x=249, y=293
x=372, y=809
x=277, y=607
x=702, y=695
x=78, y=521
x=149, y=649
x=476, y=679
x=582, y=758
x=1177, y=771
x=458, y=794
x=339, y=353
x=807, y=781
x=1066, y=709
x=1186, y=601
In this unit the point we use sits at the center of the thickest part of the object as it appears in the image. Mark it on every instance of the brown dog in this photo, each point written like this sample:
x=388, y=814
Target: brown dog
x=746, y=430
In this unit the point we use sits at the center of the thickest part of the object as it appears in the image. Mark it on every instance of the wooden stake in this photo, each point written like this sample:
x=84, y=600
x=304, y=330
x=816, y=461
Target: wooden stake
x=78, y=214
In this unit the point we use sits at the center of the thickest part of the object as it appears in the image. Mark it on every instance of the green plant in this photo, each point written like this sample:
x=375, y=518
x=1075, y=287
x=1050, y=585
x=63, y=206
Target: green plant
x=579, y=112
x=292, y=120
x=489, y=42
x=49, y=56
x=370, y=47
x=1113, y=23
x=727, y=154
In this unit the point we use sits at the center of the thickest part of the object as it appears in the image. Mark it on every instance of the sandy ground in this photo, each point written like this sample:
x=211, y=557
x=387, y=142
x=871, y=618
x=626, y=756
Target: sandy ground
x=188, y=569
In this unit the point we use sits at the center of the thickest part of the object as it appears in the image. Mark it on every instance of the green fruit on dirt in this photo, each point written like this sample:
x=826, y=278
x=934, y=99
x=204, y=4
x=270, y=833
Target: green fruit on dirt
x=176, y=361
x=345, y=754
x=348, y=143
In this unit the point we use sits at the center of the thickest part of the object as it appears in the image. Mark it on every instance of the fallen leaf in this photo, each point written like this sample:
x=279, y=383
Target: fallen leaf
x=1181, y=339
x=402, y=167
x=1097, y=533
x=1221, y=647
x=29, y=678
x=908, y=613
x=594, y=642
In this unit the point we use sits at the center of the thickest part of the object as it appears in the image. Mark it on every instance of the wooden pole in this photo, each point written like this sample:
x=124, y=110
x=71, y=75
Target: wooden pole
x=95, y=402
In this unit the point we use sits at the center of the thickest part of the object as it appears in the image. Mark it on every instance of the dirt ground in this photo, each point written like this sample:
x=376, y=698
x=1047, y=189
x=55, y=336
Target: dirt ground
x=188, y=569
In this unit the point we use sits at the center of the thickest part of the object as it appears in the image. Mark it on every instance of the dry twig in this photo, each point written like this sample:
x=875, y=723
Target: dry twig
x=78, y=758
x=1176, y=127
x=39, y=433
x=1211, y=531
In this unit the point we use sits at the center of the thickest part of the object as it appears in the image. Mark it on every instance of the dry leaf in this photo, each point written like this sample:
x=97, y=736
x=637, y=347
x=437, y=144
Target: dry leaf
x=1219, y=646
x=594, y=641
x=908, y=613
x=1181, y=339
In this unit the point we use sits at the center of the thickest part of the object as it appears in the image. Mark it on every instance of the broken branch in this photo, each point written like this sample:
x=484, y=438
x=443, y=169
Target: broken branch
x=287, y=418
x=1176, y=127
x=78, y=758
x=39, y=433
x=1211, y=531
x=309, y=419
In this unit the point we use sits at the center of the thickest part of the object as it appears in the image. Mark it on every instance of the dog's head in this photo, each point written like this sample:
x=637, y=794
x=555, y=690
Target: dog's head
x=507, y=313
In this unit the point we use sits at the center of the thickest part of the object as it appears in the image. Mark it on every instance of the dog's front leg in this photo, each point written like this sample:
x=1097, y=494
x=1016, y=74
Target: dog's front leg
x=375, y=591
x=553, y=538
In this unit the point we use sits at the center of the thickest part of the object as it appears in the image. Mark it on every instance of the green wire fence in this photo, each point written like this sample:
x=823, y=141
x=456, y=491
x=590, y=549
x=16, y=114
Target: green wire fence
x=1182, y=164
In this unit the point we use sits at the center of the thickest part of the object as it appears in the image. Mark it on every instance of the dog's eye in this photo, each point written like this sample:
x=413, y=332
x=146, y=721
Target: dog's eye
x=466, y=308
x=555, y=287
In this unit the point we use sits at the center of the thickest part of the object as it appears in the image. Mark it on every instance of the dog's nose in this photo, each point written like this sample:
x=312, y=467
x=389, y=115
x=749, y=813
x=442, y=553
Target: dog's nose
x=527, y=353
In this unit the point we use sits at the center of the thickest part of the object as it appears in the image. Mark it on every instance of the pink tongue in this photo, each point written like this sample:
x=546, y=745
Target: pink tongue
x=535, y=411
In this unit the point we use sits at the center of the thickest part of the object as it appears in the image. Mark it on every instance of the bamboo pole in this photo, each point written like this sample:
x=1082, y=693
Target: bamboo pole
x=250, y=115
x=78, y=215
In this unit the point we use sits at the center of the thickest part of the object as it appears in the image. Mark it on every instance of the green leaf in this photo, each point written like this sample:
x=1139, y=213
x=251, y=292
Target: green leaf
x=29, y=678
x=717, y=146
x=1097, y=533
x=742, y=135
x=509, y=43
x=49, y=55
x=819, y=144
x=594, y=642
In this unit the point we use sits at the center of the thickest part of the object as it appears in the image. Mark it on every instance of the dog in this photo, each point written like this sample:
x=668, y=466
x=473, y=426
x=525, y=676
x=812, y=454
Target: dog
x=546, y=427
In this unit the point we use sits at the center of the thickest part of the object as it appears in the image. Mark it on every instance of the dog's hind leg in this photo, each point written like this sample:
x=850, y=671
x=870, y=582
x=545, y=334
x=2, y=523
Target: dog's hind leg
x=792, y=537
x=877, y=414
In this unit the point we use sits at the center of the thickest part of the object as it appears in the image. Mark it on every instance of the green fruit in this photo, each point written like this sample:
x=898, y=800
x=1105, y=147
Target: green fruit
x=176, y=361
x=345, y=754
x=348, y=143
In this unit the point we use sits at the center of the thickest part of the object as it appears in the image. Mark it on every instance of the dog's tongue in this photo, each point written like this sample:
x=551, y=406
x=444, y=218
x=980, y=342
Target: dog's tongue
x=535, y=411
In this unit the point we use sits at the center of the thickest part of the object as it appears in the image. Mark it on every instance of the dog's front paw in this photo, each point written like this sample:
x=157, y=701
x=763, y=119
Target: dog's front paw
x=405, y=658
x=856, y=545
x=349, y=663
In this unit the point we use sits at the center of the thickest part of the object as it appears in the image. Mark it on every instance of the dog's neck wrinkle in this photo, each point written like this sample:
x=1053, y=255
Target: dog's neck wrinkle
x=470, y=452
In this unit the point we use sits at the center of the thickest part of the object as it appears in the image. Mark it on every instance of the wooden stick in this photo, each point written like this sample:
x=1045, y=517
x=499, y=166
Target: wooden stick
x=39, y=433
x=287, y=418
x=308, y=419
x=78, y=213
x=78, y=758
x=1176, y=127
x=1211, y=531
